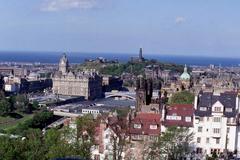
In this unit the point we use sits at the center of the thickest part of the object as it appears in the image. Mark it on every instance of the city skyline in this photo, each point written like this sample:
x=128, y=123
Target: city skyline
x=199, y=28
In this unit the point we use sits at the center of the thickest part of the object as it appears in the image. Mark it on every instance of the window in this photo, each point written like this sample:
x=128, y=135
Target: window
x=188, y=119
x=203, y=108
x=152, y=138
x=198, y=140
x=216, y=119
x=228, y=129
x=217, y=109
x=154, y=126
x=96, y=157
x=207, y=140
x=107, y=147
x=217, y=140
x=228, y=120
x=107, y=136
x=216, y=130
x=137, y=126
x=228, y=109
x=138, y=137
x=231, y=120
x=217, y=151
x=174, y=117
x=200, y=129
x=201, y=119
x=199, y=150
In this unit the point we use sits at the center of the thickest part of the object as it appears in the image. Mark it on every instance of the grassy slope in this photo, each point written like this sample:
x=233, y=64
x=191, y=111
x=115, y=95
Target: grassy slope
x=9, y=122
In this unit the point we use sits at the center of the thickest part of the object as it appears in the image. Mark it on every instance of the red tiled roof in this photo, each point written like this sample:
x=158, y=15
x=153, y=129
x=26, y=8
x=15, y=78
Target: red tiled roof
x=146, y=119
x=148, y=116
x=180, y=110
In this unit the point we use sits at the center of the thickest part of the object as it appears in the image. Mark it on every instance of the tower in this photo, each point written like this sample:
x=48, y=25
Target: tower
x=141, y=55
x=63, y=64
x=144, y=92
x=141, y=94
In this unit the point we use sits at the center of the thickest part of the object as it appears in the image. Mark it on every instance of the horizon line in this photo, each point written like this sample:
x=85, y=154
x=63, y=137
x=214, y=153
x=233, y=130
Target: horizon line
x=126, y=53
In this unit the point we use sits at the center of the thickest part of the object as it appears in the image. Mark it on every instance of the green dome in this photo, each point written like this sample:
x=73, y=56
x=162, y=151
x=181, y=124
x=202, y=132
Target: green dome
x=185, y=75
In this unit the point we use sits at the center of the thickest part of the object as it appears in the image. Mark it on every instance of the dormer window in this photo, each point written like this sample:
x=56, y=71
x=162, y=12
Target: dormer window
x=153, y=126
x=188, y=119
x=203, y=108
x=228, y=110
x=173, y=117
x=217, y=109
x=137, y=126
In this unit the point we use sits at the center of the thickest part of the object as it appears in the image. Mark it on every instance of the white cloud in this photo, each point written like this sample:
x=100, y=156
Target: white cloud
x=180, y=20
x=58, y=5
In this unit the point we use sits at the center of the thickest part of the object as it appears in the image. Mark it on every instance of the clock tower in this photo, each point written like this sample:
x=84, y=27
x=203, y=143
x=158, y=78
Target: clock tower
x=63, y=64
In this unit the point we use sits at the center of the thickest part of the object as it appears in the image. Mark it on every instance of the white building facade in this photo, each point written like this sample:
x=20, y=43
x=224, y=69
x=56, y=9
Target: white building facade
x=216, y=124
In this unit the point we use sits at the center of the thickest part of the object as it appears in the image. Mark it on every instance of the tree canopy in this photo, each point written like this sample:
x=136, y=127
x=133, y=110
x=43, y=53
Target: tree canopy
x=53, y=144
x=135, y=68
x=184, y=97
x=173, y=144
x=5, y=107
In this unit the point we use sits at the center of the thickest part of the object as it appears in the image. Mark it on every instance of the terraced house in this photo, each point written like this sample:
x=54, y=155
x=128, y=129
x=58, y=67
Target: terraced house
x=216, y=123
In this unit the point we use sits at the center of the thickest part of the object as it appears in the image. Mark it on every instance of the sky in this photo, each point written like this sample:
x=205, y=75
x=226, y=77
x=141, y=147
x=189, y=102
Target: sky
x=168, y=27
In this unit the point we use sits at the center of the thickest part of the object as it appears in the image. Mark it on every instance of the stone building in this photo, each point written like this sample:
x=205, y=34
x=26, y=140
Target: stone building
x=87, y=84
x=216, y=123
x=110, y=83
x=144, y=96
x=153, y=71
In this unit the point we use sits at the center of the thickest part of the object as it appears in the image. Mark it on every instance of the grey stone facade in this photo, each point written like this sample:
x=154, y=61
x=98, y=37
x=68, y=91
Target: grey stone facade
x=87, y=84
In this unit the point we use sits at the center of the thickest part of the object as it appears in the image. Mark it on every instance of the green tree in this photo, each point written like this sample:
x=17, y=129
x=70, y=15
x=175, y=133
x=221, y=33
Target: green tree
x=85, y=135
x=5, y=107
x=35, y=105
x=171, y=145
x=56, y=144
x=11, y=148
x=40, y=120
x=21, y=103
x=35, y=146
x=184, y=97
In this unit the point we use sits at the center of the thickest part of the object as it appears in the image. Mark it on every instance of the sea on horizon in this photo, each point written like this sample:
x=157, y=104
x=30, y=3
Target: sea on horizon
x=53, y=57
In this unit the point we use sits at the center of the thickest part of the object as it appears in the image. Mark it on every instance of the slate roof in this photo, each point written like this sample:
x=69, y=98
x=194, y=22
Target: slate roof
x=207, y=99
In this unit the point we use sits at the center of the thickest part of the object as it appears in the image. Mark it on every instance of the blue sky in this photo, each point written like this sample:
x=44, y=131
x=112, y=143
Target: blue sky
x=181, y=27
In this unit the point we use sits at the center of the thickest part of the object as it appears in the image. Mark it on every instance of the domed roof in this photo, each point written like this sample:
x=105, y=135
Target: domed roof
x=185, y=75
